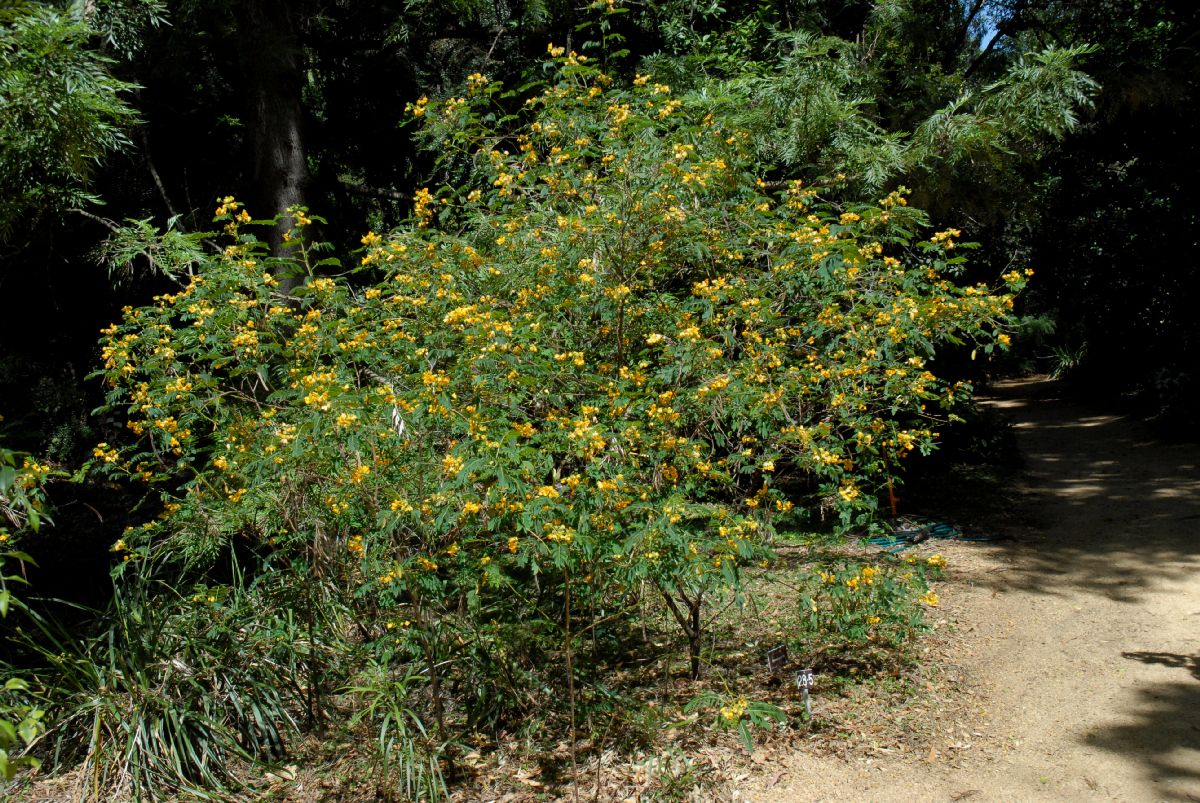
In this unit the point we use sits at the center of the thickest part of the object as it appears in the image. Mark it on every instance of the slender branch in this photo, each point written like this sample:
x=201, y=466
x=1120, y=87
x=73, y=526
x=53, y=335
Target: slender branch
x=158, y=182
x=571, y=687
x=965, y=31
x=678, y=614
x=374, y=192
x=103, y=221
x=1001, y=32
x=499, y=33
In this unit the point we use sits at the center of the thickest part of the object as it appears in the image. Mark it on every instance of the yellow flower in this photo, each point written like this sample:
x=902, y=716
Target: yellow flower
x=512, y=544
x=734, y=711
x=560, y=533
x=477, y=81
x=105, y=453
x=936, y=561
x=929, y=598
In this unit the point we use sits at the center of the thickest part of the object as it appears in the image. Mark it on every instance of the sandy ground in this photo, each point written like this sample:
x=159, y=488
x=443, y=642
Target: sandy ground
x=1075, y=646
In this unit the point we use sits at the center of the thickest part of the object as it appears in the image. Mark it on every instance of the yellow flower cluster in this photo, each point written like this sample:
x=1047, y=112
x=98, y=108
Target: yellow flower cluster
x=734, y=711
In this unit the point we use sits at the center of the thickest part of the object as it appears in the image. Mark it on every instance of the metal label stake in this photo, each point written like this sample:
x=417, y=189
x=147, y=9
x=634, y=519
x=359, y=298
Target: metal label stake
x=804, y=681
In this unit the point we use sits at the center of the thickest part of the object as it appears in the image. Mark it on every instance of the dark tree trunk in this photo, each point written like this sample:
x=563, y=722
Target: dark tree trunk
x=272, y=61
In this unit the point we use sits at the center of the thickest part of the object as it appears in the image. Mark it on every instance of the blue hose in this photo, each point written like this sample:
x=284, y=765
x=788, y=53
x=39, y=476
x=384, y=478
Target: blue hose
x=908, y=531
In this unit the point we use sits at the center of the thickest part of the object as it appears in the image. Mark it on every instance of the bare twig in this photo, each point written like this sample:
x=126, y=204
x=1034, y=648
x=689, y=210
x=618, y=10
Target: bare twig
x=374, y=192
x=158, y=182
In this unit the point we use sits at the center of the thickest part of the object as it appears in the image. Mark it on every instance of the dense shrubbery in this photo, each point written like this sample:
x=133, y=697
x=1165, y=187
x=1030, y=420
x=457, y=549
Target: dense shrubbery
x=595, y=373
x=22, y=511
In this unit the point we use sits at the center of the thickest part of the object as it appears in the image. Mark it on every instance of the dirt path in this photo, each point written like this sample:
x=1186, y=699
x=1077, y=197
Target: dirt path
x=1077, y=645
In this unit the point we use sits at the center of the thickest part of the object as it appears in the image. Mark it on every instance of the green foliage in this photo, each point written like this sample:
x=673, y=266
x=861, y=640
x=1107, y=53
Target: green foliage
x=22, y=508
x=139, y=248
x=738, y=713
x=20, y=726
x=172, y=692
x=61, y=113
x=22, y=496
x=819, y=109
x=402, y=746
x=1118, y=198
x=585, y=371
x=122, y=24
x=865, y=614
x=612, y=346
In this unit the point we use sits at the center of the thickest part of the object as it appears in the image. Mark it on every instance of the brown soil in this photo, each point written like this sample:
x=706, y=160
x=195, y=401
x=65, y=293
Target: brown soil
x=1071, y=653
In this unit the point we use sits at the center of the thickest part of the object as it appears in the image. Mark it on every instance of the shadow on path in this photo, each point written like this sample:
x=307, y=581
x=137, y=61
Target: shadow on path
x=1162, y=729
x=1112, y=511
x=1114, y=529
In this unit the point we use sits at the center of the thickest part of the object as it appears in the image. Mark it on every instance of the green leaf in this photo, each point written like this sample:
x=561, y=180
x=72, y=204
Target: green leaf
x=747, y=739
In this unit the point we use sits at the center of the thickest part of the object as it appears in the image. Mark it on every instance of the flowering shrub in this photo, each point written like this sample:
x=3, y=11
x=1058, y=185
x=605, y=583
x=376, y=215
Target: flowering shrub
x=582, y=371
x=22, y=510
x=22, y=497
x=865, y=612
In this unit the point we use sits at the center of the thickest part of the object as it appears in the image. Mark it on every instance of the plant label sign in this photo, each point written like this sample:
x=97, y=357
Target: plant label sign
x=805, y=679
x=777, y=658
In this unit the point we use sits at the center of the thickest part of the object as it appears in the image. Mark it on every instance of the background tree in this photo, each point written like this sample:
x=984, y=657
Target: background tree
x=1115, y=215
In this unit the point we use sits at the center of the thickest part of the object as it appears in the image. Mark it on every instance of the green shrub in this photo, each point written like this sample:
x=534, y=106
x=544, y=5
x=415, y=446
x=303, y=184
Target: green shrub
x=866, y=614
x=585, y=371
x=172, y=694
x=22, y=510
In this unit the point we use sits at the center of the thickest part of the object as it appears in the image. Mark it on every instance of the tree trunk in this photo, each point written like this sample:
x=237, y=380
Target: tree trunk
x=691, y=623
x=271, y=60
